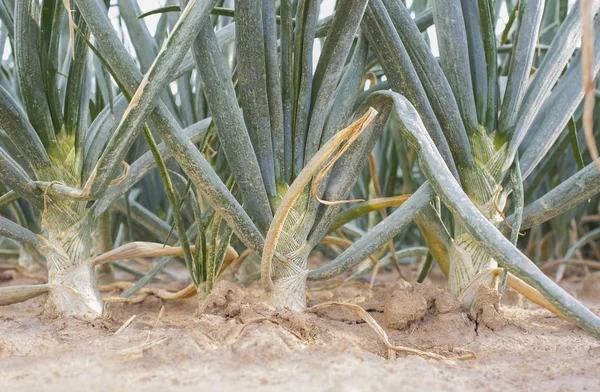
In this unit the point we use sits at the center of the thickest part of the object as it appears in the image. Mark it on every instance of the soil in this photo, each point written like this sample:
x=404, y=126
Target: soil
x=234, y=341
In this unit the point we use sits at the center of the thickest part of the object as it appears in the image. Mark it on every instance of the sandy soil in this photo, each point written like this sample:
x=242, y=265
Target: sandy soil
x=237, y=342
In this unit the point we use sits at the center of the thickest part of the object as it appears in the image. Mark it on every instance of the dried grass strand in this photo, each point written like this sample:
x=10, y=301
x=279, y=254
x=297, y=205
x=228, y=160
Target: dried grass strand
x=125, y=325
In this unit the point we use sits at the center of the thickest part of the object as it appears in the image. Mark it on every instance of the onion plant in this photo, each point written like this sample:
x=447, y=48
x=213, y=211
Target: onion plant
x=294, y=140
x=62, y=153
x=478, y=136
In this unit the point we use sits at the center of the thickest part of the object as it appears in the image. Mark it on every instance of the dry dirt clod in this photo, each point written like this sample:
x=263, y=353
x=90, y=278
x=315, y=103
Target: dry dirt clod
x=487, y=310
x=339, y=355
x=6, y=350
x=225, y=300
x=304, y=323
x=231, y=302
x=404, y=307
x=445, y=302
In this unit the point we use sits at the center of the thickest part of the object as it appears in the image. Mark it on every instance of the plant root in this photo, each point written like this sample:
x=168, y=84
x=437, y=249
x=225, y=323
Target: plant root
x=260, y=320
x=384, y=337
x=184, y=293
